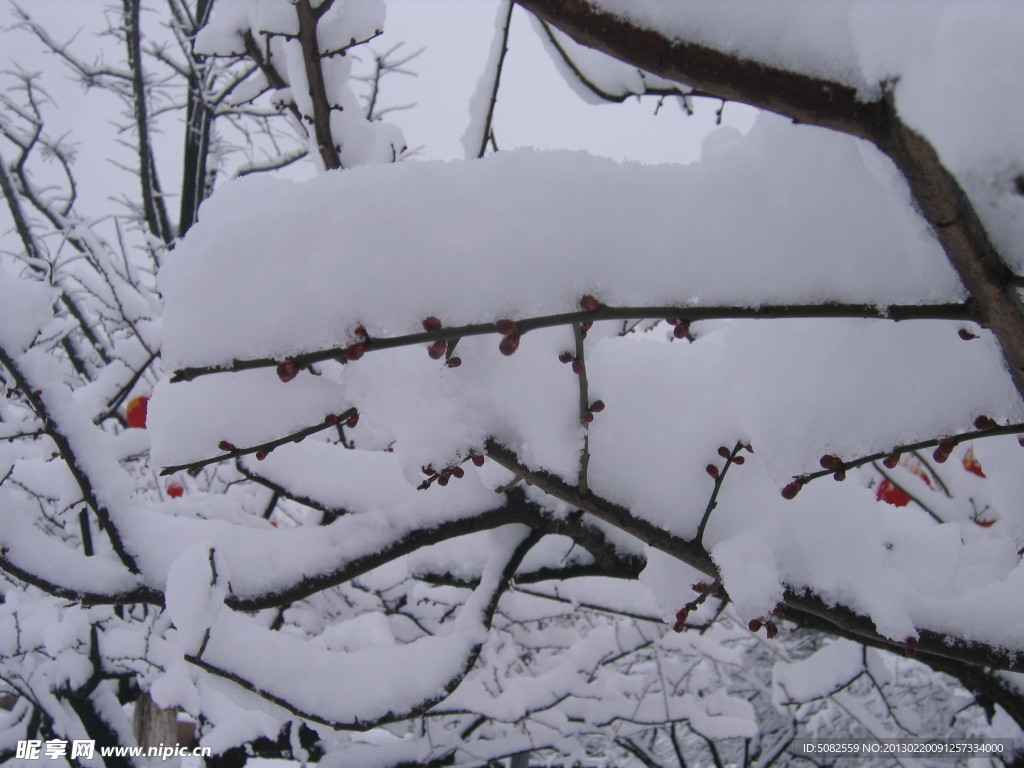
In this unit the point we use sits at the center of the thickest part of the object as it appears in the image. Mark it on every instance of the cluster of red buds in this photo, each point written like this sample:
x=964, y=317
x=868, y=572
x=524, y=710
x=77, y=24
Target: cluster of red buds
x=595, y=407
x=509, y=330
x=834, y=464
x=943, y=450
x=726, y=454
x=771, y=629
x=568, y=357
x=681, y=329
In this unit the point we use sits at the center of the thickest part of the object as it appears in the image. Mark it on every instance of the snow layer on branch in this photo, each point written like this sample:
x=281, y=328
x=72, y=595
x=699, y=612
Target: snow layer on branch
x=25, y=307
x=524, y=232
x=954, y=67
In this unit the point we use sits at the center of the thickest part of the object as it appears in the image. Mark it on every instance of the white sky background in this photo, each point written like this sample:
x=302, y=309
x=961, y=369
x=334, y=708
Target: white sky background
x=535, y=106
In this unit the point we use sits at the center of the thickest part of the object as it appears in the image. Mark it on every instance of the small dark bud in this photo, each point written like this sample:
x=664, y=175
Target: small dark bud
x=454, y=362
x=890, y=462
x=792, y=489
x=839, y=476
x=700, y=586
x=771, y=630
x=431, y=324
x=577, y=367
x=505, y=327
x=597, y=406
x=224, y=445
x=509, y=344
x=724, y=452
x=566, y=357
x=754, y=625
x=478, y=461
x=355, y=351
x=436, y=349
x=331, y=419
x=712, y=470
x=427, y=470
x=966, y=335
x=458, y=471
x=738, y=460
x=287, y=370
x=830, y=461
x=943, y=450
x=587, y=326
x=589, y=304
x=984, y=424
x=361, y=331
x=587, y=416
x=682, y=330
x=352, y=420
x=261, y=455
x=443, y=480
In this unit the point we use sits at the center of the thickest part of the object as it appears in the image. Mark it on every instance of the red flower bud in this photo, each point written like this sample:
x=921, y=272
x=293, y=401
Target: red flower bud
x=261, y=455
x=361, y=331
x=458, y=471
x=431, y=324
x=890, y=462
x=577, y=366
x=454, y=362
x=754, y=625
x=443, y=479
x=943, y=450
x=224, y=445
x=352, y=420
x=566, y=357
x=839, y=476
x=331, y=418
x=587, y=326
x=830, y=461
x=724, y=452
x=712, y=470
x=587, y=417
x=478, y=461
x=682, y=330
x=437, y=349
x=287, y=370
x=589, y=304
x=355, y=351
x=505, y=327
x=771, y=630
x=966, y=335
x=509, y=344
x=984, y=424
x=791, y=490
x=738, y=460
x=700, y=586
x=597, y=406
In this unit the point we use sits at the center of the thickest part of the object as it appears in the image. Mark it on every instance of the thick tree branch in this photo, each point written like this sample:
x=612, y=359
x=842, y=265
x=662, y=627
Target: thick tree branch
x=930, y=644
x=829, y=104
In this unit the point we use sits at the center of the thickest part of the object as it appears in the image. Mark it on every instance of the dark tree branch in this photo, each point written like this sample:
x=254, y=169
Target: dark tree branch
x=330, y=150
x=830, y=616
x=512, y=561
x=895, y=312
x=816, y=101
x=155, y=211
x=35, y=399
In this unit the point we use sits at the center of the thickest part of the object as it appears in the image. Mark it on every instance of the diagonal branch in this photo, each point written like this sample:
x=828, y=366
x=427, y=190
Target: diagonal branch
x=824, y=614
x=828, y=104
